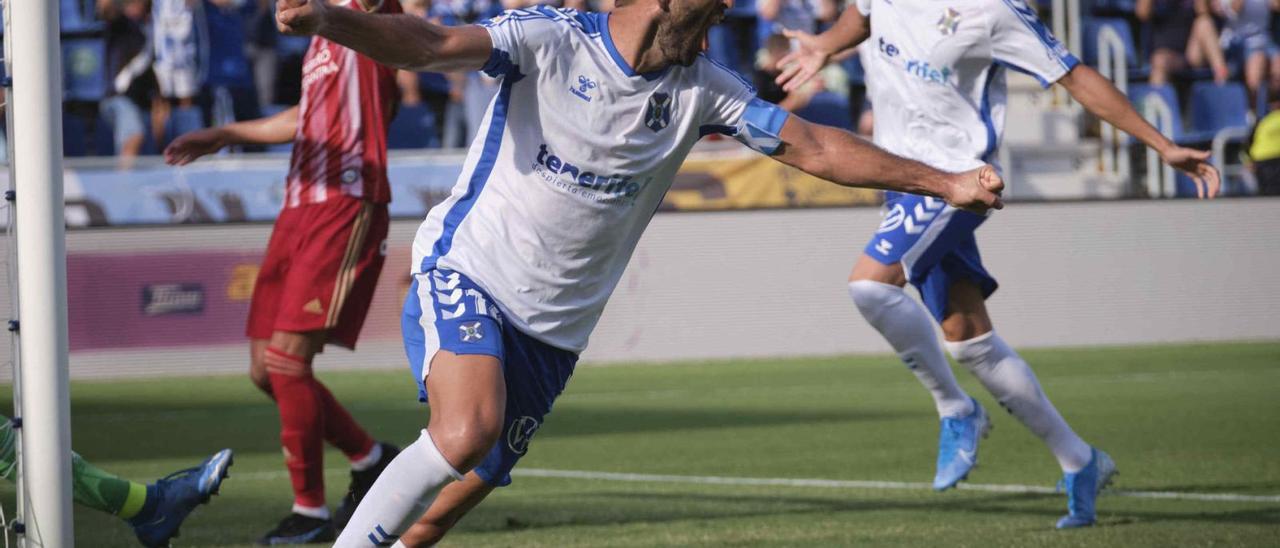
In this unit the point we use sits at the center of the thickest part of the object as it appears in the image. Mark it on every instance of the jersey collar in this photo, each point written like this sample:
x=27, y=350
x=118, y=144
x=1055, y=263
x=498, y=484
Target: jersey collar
x=617, y=57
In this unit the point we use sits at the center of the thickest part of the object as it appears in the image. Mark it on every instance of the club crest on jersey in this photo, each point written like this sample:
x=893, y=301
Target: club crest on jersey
x=658, y=114
x=584, y=87
x=949, y=22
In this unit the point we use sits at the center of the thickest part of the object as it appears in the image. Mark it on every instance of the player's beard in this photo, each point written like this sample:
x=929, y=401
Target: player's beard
x=682, y=32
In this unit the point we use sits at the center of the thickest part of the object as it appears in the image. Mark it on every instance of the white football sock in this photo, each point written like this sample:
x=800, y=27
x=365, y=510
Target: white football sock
x=1014, y=385
x=909, y=329
x=401, y=495
x=370, y=460
x=318, y=512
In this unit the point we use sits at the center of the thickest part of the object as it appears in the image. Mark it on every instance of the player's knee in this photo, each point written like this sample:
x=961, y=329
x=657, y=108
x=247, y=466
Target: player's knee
x=872, y=297
x=961, y=328
x=872, y=270
x=466, y=441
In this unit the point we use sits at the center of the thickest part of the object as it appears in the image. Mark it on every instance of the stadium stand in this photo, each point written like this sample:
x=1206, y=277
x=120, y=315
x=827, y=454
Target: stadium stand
x=1200, y=112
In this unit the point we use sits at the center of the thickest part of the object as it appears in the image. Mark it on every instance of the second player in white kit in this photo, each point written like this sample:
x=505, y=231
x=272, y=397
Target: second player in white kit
x=936, y=76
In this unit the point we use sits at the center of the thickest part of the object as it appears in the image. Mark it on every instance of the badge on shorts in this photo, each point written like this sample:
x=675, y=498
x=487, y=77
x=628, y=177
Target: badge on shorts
x=521, y=431
x=471, y=332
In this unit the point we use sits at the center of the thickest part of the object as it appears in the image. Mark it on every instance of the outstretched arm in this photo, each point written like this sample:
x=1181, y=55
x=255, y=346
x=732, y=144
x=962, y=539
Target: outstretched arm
x=814, y=52
x=399, y=41
x=846, y=159
x=274, y=129
x=1100, y=97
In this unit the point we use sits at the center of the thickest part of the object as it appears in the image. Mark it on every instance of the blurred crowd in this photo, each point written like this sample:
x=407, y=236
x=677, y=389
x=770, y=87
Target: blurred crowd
x=139, y=72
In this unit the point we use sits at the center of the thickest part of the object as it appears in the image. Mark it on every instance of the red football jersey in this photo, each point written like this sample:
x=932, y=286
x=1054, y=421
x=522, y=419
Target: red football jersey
x=341, y=144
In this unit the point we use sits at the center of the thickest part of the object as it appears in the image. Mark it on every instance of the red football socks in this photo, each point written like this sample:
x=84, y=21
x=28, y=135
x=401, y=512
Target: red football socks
x=309, y=415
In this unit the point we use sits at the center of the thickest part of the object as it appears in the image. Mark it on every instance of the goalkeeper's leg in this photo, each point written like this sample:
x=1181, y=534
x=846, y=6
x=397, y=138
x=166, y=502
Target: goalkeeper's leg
x=155, y=511
x=90, y=486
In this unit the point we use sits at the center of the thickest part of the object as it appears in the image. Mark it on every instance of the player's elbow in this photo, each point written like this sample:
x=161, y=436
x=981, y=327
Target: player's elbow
x=435, y=44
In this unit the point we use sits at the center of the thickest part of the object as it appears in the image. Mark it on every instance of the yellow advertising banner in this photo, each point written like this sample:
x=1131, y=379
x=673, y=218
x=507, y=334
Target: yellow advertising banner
x=720, y=180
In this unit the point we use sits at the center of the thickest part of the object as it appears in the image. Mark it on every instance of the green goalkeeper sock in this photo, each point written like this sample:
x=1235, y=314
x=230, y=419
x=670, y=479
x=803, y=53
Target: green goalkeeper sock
x=90, y=485
x=100, y=490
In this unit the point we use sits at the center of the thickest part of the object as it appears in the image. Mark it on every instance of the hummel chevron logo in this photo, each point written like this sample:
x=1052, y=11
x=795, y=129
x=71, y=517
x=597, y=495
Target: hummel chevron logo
x=923, y=213
x=447, y=283
x=911, y=226
x=446, y=314
x=450, y=298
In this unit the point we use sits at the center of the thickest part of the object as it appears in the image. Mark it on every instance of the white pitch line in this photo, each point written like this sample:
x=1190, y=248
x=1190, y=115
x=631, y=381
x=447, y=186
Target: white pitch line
x=827, y=484
x=862, y=484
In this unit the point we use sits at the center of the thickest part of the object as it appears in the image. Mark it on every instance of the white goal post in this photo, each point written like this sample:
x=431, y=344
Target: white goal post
x=34, y=114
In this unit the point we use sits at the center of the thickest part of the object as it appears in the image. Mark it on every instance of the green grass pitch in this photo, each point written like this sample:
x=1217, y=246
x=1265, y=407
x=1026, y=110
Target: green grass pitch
x=1182, y=418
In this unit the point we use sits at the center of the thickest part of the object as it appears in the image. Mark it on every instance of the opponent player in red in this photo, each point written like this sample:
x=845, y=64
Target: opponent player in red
x=322, y=263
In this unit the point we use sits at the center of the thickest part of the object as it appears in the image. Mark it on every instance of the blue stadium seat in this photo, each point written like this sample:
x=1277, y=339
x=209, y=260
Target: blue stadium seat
x=828, y=108
x=1216, y=107
x=413, y=127
x=1090, y=39
x=1139, y=94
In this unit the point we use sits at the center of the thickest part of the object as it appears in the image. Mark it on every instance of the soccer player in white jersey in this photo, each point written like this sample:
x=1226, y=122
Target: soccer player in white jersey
x=594, y=115
x=936, y=75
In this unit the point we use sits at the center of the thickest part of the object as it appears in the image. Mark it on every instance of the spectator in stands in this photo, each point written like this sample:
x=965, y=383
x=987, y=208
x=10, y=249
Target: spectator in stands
x=1182, y=36
x=1265, y=153
x=130, y=82
x=180, y=46
x=767, y=69
x=803, y=15
x=261, y=46
x=1246, y=37
x=432, y=89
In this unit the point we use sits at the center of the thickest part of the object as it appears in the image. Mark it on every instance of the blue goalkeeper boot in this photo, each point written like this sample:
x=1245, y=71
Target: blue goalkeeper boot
x=1083, y=488
x=958, y=446
x=176, y=496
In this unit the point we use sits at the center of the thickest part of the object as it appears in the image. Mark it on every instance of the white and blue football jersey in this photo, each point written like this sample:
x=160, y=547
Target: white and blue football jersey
x=936, y=74
x=573, y=158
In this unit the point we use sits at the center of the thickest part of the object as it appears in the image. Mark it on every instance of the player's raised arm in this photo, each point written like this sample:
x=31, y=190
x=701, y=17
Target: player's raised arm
x=275, y=129
x=396, y=40
x=846, y=159
x=1100, y=97
x=812, y=52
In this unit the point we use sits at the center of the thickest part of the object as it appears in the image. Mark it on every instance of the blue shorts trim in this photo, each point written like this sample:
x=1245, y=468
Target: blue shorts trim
x=445, y=310
x=935, y=244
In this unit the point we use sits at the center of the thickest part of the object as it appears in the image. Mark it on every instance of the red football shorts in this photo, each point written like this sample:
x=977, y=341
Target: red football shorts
x=321, y=268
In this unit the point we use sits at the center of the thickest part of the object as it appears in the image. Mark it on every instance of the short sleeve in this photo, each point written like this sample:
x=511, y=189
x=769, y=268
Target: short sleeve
x=1021, y=42
x=518, y=36
x=735, y=110
x=863, y=6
